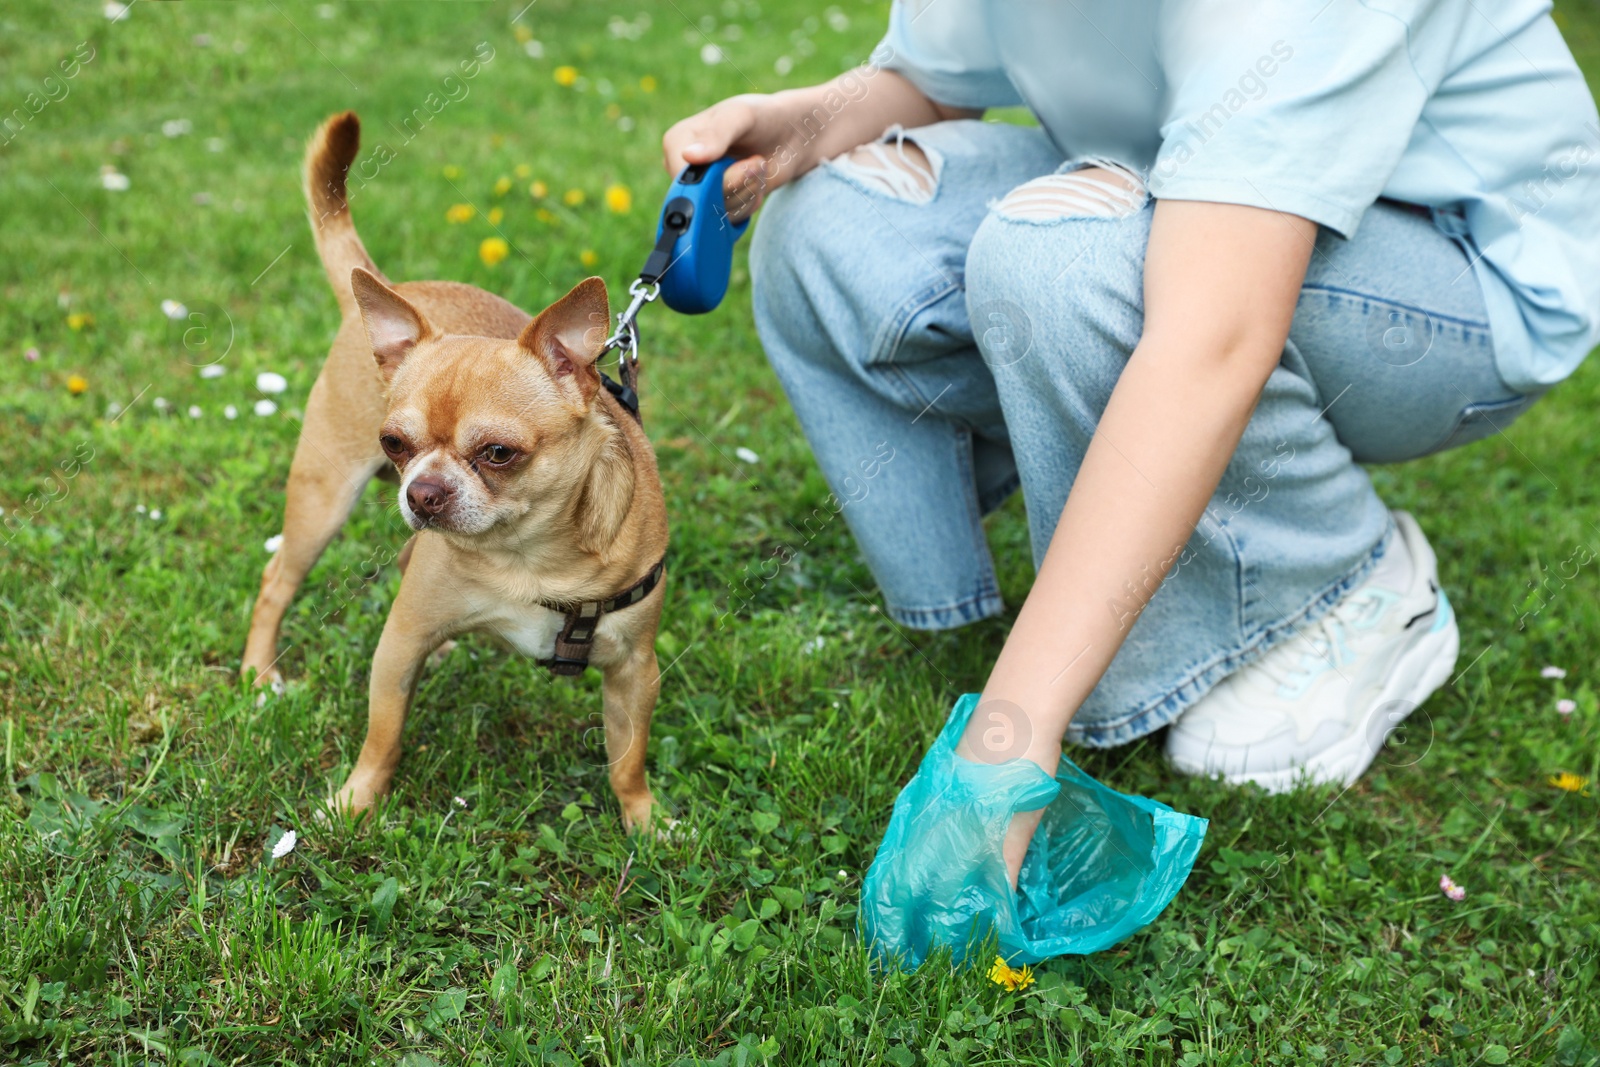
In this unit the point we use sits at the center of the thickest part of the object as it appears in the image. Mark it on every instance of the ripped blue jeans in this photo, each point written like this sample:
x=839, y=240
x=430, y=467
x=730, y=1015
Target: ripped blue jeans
x=979, y=334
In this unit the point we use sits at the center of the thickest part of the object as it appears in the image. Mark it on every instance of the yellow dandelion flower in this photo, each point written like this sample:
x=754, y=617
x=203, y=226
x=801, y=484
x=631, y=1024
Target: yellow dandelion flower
x=612, y=111
x=524, y=171
x=493, y=250
x=502, y=186
x=572, y=197
x=618, y=199
x=544, y=214
x=588, y=257
x=495, y=215
x=77, y=384
x=522, y=34
x=1013, y=978
x=1566, y=780
x=459, y=213
x=648, y=83
x=451, y=171
x=538, y=190
x=566, y=77
x=79, y=320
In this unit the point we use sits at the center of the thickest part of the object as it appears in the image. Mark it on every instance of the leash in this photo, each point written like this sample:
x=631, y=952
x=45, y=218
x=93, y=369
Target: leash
x=688, y=269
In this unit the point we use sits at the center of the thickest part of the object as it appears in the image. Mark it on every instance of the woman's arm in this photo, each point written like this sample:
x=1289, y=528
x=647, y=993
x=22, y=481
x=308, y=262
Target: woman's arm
x=780, y=136
x=1221, y=282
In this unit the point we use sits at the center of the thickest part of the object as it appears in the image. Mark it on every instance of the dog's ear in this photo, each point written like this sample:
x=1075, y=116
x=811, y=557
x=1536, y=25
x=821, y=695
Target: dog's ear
x=394, y=325
x=569, y=334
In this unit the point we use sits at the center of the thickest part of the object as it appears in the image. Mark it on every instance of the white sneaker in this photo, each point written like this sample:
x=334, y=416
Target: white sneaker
x=1319, y=707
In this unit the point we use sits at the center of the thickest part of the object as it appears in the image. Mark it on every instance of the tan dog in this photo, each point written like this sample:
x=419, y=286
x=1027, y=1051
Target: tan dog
x=534, y=492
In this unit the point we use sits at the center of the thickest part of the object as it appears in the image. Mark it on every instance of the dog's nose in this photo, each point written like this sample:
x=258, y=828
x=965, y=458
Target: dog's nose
x=427, y=498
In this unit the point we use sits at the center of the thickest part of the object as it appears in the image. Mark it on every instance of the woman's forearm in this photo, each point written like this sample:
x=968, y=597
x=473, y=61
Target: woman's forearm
x=819, y=122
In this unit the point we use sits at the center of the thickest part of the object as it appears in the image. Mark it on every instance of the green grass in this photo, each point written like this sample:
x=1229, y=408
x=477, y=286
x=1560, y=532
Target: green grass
x=141, y=919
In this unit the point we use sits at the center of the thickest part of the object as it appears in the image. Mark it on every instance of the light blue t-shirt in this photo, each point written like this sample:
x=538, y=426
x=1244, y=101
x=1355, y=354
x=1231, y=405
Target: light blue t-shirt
x=1317, y=108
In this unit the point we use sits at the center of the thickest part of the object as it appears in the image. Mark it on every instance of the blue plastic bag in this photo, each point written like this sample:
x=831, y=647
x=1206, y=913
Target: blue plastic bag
x=1102, y=864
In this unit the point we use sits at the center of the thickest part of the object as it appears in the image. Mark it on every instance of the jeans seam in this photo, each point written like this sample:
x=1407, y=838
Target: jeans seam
x=980, y=543
x=1334, y=290
x=976, y=606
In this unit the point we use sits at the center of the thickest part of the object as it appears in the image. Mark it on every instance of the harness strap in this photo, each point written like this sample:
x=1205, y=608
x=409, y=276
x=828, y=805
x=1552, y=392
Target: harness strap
x=576, y=638
x=627, y=391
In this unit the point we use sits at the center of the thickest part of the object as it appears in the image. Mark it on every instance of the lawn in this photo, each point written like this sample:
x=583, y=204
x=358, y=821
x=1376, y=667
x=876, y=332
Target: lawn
x=493, y=911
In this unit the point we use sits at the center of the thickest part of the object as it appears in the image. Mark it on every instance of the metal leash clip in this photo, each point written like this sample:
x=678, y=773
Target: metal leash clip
x=625, y=340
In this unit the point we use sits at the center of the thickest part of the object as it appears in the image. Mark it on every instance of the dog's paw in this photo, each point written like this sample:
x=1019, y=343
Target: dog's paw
x=274, y=688
x=675, y=832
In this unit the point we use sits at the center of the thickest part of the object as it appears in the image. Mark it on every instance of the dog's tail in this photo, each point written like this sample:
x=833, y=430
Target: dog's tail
x=328, y=157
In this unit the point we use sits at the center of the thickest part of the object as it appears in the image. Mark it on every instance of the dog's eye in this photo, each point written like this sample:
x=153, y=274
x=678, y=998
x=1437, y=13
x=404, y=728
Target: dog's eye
x=498, y=455
x=392, y=444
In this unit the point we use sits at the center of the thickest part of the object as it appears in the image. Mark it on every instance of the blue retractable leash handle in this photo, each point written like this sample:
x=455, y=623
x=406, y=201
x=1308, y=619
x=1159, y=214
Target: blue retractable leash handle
x=688, y=268
x=696, y=240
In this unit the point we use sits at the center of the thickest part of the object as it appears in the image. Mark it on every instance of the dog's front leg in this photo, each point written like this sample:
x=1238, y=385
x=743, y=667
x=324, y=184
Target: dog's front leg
x=409, y=634
x=629, y=691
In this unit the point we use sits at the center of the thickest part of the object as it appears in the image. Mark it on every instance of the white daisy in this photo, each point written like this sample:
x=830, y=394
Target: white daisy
x=285, y=844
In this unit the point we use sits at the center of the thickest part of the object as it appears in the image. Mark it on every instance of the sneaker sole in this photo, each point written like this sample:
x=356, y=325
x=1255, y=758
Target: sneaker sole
x=1421, y=671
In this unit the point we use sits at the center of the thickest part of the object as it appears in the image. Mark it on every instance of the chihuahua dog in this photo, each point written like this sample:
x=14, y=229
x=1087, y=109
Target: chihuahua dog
x=533, y=491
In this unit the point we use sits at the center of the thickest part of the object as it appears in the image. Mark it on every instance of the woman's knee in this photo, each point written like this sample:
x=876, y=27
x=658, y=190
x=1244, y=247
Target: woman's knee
x=1056, y=270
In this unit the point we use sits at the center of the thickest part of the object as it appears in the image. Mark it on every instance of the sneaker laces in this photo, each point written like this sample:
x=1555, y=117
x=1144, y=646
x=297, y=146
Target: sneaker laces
x=1311, y=650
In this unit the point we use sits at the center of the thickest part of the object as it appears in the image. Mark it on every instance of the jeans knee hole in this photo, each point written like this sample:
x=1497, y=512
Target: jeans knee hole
x=1103, y=191
x=893, y=166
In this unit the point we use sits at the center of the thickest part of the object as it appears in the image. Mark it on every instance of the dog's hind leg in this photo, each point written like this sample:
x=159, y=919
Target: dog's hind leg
x=332, y=464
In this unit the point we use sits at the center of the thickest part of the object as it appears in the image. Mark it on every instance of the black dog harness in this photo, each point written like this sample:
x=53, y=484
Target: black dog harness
x=576, y=638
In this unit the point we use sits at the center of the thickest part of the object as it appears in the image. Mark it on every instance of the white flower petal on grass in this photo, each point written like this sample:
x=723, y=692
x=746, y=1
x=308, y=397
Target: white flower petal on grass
x=710, y=55
x=161, y=404
x=155, y=514
x=460, y=802
x=194, y=411
x=139, y=508
x=285, y=844
x=172, y=309
x=213, y=370
x=746, y=455
x=535, y=49
x=271, y=382
x=114, y=180
x=273, y=543
x=1553, y=672
x=176, y=127
x=265, y=408
x=116, y=12
x=230, y=412
x=783, y=66
x=1566, y=707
